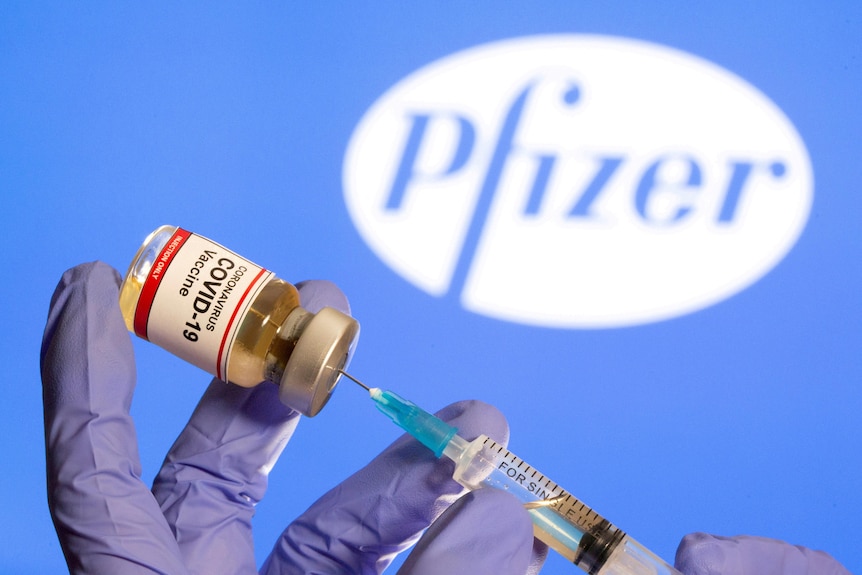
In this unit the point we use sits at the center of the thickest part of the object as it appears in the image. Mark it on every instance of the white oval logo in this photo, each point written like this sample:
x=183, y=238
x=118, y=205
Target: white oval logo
x=578, y=181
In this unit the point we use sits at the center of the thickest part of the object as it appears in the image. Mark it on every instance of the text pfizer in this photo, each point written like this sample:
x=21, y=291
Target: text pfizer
x=578, y=181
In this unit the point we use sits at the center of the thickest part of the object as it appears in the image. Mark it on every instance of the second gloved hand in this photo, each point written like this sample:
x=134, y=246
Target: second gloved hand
x=703, y=554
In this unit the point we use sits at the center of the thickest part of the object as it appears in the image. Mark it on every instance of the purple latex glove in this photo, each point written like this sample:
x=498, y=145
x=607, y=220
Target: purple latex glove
x=703, y=554
x=360, y=526
x=197, y=518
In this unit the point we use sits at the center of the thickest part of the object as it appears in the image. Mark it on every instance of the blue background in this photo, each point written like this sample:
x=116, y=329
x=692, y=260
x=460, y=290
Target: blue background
x=233, y=122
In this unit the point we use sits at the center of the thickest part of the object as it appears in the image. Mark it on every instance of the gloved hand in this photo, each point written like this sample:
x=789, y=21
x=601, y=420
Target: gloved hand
x=702, y=554
x=197, y=518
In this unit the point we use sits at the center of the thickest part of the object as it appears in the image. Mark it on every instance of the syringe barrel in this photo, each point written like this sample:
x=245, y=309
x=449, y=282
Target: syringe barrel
x=632, y=558
x=560, y=520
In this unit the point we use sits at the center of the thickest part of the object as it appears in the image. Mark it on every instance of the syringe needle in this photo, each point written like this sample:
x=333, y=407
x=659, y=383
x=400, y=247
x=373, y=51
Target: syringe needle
x=351, y=378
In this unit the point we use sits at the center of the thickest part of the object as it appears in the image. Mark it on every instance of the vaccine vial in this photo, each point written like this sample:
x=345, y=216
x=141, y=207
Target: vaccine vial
x=234, y=319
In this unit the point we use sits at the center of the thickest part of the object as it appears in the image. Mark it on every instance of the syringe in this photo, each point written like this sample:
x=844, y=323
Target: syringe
x=560, y=520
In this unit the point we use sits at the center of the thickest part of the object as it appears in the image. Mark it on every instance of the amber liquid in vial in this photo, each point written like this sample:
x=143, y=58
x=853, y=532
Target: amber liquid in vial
x=259, y=352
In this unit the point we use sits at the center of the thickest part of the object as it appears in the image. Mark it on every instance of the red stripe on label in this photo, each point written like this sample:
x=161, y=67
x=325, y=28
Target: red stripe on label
x=219, y=372
x=151, y=284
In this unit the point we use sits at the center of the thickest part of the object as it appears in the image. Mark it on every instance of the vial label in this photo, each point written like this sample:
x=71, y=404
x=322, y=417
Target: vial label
x=194, y=298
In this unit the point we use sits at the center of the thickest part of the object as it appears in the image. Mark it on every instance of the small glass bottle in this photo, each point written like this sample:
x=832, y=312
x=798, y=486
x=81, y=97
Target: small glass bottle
x=234, y=319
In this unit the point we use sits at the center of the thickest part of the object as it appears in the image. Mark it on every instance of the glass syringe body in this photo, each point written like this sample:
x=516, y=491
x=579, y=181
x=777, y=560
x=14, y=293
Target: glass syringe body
x=560, y=520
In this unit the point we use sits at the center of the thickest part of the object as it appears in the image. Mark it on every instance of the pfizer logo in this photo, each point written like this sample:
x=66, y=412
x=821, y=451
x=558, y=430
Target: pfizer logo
x=577, y=181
